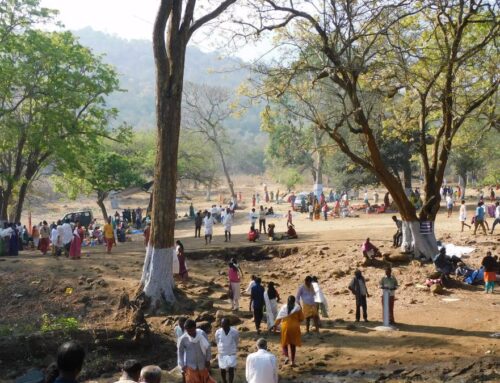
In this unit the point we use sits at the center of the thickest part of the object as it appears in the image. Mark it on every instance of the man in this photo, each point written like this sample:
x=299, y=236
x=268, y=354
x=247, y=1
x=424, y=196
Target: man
x=358, y=288
x=479, y=219
x=398, y=236
x=228, y=223
x=151, y=374
x=67, y=237
x=262, y=220
x=60, y=238
x=257, y=302
x=70, y=358
x=193, y=354
x=131, y=372
x=253, y=218
x=262, y=366
x=227, y=339
x=208, y=221
x=109, y=235
x=309, y=307
x=497, y=217
x=198, y=221
x=463, y=215
x=388, y=282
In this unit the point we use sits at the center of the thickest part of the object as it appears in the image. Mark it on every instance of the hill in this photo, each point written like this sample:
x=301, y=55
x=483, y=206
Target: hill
x=133, y=60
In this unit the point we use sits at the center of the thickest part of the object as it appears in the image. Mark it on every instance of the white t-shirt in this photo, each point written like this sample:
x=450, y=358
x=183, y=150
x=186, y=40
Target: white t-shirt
x=497, y=212
x=209, y=225
x=463, y=213
x=262, y=367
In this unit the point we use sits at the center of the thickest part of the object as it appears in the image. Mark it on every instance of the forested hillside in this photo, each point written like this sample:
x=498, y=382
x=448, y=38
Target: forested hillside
x=133, y=59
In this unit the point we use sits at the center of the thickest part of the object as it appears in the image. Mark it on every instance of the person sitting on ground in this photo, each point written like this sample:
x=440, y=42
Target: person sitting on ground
x=270, y=231
x=444, y=264
x=70, y=357
x=270, y=211
x=253, y=234
x=398, y=236
x=150, y=374
x=131, y=371
x=370, y=251
x=291, y=233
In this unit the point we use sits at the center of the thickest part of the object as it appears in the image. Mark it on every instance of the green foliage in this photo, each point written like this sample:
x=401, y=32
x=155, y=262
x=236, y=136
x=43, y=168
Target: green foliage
x=64, y=324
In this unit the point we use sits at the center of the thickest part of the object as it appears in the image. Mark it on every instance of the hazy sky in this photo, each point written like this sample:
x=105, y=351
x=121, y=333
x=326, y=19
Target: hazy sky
x=130, y=19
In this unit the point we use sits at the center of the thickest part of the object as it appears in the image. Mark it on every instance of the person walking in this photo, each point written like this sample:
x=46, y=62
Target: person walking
x=309, y=307
x=227, y=339
x=257, y=303
x=181, y=258
x=75, y=250
x=228, y=223
x=234, y=275
x=271, y=299
x=109, y=235
x=462, y=216
x=44, y=242
x=262, y=220
x=497, y=217
x=208, y=222
x=290, y=316
x=449, y=204
x=194, y=354
x=198, y=221
x=389, y=282
x=358, y=288
x=479, y=218
x=261, y=366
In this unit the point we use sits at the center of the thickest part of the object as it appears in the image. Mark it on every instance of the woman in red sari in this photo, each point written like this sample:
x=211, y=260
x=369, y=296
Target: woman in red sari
x=75, y=250
x=181, y=256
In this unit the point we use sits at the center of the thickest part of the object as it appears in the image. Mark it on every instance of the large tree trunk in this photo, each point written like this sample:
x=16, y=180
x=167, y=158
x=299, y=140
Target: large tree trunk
x=226, y=172
x=101, y=196
x=421, y=245
x=7, y=195
x=463, y=183
x=20, y=201
x=208, y=196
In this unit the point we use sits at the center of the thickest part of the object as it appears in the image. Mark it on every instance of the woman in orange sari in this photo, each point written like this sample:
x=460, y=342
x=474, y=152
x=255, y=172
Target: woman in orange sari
x=290, y=316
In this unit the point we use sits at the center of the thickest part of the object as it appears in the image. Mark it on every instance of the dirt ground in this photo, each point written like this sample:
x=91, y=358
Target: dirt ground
x=440, y=337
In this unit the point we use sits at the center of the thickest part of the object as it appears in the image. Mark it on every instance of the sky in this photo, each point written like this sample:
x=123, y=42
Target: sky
x=129, y=19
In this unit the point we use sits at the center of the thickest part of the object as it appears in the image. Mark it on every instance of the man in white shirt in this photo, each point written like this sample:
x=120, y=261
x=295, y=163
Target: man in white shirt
x=67, y=237
x=208, y=221
x=497, y=217
x=262, y=366
x=253, y=218
x=227, y=339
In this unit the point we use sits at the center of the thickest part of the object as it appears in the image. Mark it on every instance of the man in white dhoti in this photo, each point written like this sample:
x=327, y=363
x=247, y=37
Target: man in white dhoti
x=208, y=222
x=227, y=339
x=228, y=223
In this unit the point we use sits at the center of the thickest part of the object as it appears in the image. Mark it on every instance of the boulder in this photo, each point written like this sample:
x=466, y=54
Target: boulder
x=205, y=317
x=234, y=319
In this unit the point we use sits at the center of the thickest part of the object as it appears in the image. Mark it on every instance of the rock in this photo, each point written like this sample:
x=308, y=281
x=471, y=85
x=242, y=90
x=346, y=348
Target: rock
x=101, y=297
x=205, y=326
x=325, y=248
x=437, y=289
x=224, y=296
x=320, y=364
x=413, y=302
x=89, y=280
x=205, y=317
x=222, y=272
x=351, y=327
x=206, y=305
x=234, y=319
x=243, y=329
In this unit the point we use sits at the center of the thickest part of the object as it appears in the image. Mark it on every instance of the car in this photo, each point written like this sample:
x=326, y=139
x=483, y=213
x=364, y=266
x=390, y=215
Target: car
x=85, y=217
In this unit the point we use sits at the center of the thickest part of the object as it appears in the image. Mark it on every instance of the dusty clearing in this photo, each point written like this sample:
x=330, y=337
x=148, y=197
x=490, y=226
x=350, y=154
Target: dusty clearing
x=440, y=338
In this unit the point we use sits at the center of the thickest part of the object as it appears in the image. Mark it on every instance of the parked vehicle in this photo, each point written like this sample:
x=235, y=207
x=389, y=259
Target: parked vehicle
x=85, y=217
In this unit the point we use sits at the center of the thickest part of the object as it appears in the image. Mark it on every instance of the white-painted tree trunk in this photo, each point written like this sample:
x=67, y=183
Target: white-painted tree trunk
x=421, y=245
x=157, y=277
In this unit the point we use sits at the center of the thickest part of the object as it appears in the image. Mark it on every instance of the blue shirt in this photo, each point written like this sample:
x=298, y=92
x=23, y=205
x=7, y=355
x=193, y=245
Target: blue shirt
x=257, y=294
x=480, y=213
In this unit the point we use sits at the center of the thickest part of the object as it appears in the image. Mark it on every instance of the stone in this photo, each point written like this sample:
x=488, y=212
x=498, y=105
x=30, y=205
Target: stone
x=205, y=317
x=233, y=319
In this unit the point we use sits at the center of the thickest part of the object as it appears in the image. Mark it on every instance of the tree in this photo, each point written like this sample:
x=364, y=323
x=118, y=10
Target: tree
x=55, y=108
x=174, y=27
x=101, y=171
x=374, y=50
x=207, y=109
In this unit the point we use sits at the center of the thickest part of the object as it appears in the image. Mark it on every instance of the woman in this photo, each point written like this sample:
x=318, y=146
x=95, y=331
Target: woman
x=290, y=316
x=234, y=275
x=75, y=250
x=181, y=258
x=43, y=238
x=317, y=209
x=109, y=235
x=35, y=234
x=271, y=298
